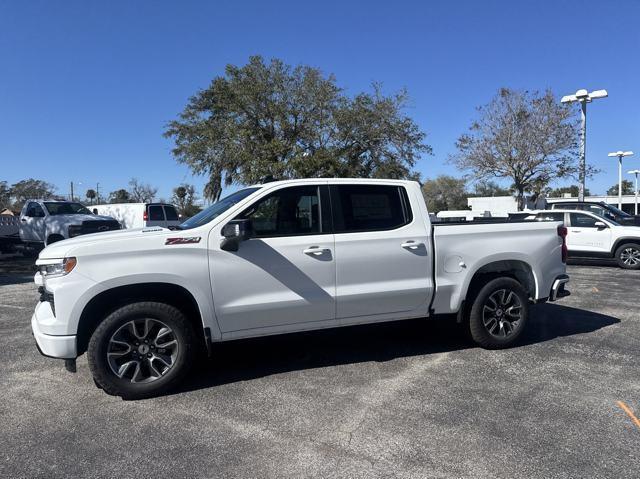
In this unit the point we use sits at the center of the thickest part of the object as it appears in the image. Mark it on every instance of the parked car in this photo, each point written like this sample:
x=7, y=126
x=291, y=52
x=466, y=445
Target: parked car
x=599, y=208
x=591, y=235
x=282, y=257
x=45, y=222
x=140, y=215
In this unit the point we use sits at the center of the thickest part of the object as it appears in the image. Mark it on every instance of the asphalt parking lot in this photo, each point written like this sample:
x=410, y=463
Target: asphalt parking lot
x=406, y=400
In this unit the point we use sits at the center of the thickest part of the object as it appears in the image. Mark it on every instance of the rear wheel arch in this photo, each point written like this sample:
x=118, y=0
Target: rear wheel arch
x=516, y=269
x=106, y=302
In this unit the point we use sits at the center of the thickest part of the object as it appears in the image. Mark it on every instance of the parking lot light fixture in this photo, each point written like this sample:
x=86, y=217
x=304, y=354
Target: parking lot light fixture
x=620, y=155
x=583, y=97
x=636, y=173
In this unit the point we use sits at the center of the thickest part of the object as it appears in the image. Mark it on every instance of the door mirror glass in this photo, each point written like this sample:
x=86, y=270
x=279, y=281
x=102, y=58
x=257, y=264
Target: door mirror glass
x=234, y=233
x=600, y=225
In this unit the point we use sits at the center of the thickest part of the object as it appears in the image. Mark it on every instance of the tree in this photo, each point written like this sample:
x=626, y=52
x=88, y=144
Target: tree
x=572, y=190
x=119, y=196
x=5, y=195
x=627, y=189
x=276, y=120
x=30, y=189
x=91, y=194
x=526, y=137
x=141, y=193
x=445, y=193
x=184, y=197
x=489, y=188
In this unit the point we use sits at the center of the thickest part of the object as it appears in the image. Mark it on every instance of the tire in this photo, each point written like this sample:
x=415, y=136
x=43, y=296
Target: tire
x=628, y=256
x=141, y=350
x=501, y=327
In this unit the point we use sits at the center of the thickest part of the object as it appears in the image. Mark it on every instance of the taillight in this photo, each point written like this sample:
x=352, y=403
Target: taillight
x=145, y=216
x=562, y=232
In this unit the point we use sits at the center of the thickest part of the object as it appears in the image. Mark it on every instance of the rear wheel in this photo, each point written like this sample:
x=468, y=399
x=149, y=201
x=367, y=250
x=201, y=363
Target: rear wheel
x=141, y=350
x=499, y=313
x=628, y=256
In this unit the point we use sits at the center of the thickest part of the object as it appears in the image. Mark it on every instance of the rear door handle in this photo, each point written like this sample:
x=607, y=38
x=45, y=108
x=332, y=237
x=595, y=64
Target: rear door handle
x=316, y=250
x=411, y=245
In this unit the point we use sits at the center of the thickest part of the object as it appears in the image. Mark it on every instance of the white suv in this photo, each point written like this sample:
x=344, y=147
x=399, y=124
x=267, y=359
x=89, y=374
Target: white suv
x=591, y=235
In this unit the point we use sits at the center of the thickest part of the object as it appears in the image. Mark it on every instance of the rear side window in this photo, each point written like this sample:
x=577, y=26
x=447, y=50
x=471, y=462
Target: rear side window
x=171, y=213
x=155, y=213
x=359, y=208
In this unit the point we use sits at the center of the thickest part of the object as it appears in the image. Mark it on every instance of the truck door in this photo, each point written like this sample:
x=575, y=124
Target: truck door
x=383, y=263
x=285, y=274
x=584, y=235
x=32, y=223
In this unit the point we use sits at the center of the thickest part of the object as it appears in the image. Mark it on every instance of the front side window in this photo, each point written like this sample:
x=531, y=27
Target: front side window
x=582, y=221
x=155, y=213
x=289, y=211
x=34, y=210
x=369, y=208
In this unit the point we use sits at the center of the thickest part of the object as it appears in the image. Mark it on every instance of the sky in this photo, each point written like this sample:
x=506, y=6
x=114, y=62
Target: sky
x=87, y=87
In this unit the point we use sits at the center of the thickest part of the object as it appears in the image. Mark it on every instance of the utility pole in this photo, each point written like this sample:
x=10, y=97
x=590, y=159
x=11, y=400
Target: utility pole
x=97, y=193
x=635, y=172
x=72, y=191
x=620, y=155
x=583, y=97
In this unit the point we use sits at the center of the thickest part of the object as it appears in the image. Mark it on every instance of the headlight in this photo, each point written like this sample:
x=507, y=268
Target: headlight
x=60, y=268
x=74, y=230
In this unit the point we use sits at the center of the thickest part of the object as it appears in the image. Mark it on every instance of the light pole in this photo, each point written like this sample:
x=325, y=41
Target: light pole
x=620, y=155
x=635, y=172
x=583, y=97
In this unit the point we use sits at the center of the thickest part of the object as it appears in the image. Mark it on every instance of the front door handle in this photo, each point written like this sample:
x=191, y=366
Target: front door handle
x=316, y=250
x=411, y=245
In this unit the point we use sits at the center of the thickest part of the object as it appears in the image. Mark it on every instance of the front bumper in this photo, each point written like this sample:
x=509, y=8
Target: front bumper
x=558, y=289
x=61, y=347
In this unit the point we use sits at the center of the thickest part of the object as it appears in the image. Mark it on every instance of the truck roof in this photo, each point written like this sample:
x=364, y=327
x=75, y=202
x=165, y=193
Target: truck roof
x=333, y=180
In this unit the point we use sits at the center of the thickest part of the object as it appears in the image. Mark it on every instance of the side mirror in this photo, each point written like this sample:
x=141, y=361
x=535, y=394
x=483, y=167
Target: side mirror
x=600, y=225
x=234, y=233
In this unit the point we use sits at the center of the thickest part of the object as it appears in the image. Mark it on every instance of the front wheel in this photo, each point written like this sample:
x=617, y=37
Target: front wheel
x=628, y=256
x=499, y=313
x=140, y=350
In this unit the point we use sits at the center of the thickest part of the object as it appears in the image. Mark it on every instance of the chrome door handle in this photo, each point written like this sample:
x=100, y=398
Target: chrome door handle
x=411, y=245
x=315, y=250
x=574, y=231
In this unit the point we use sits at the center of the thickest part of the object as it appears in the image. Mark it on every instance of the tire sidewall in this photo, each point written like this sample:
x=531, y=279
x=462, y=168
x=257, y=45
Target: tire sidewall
x=476, y=326
x=619, y=251
x=99, y=342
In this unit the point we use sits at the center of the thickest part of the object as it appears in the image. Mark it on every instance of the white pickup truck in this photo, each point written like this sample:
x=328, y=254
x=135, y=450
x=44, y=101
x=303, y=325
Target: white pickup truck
x=48, y=221
x=283, y=257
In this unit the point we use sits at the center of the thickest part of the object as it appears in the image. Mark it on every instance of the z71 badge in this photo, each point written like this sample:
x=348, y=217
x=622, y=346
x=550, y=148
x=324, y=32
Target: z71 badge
x=189, y=240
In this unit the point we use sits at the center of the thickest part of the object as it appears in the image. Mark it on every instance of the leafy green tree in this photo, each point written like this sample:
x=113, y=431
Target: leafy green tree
x=627, y=188
x=91, y=194
x=277, y=120
x=445, y=193
x=184, y=197
x=572, y=190
x=527, y=137
x=30, y=189
x=119, y=196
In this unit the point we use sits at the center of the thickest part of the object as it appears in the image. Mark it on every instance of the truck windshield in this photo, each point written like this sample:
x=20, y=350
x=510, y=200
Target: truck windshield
x=216, y=209
x=66, y=209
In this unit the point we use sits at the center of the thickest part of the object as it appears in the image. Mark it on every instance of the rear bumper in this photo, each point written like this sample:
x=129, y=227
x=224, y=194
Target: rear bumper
x=61, y=347
x=558, y=290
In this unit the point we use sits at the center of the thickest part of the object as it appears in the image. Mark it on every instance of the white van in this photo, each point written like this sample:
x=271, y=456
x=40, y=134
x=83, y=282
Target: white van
x=140, y=215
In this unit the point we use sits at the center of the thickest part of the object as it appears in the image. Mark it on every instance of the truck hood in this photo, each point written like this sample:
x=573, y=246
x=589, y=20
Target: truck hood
x=79, y=218
x=60, y=249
